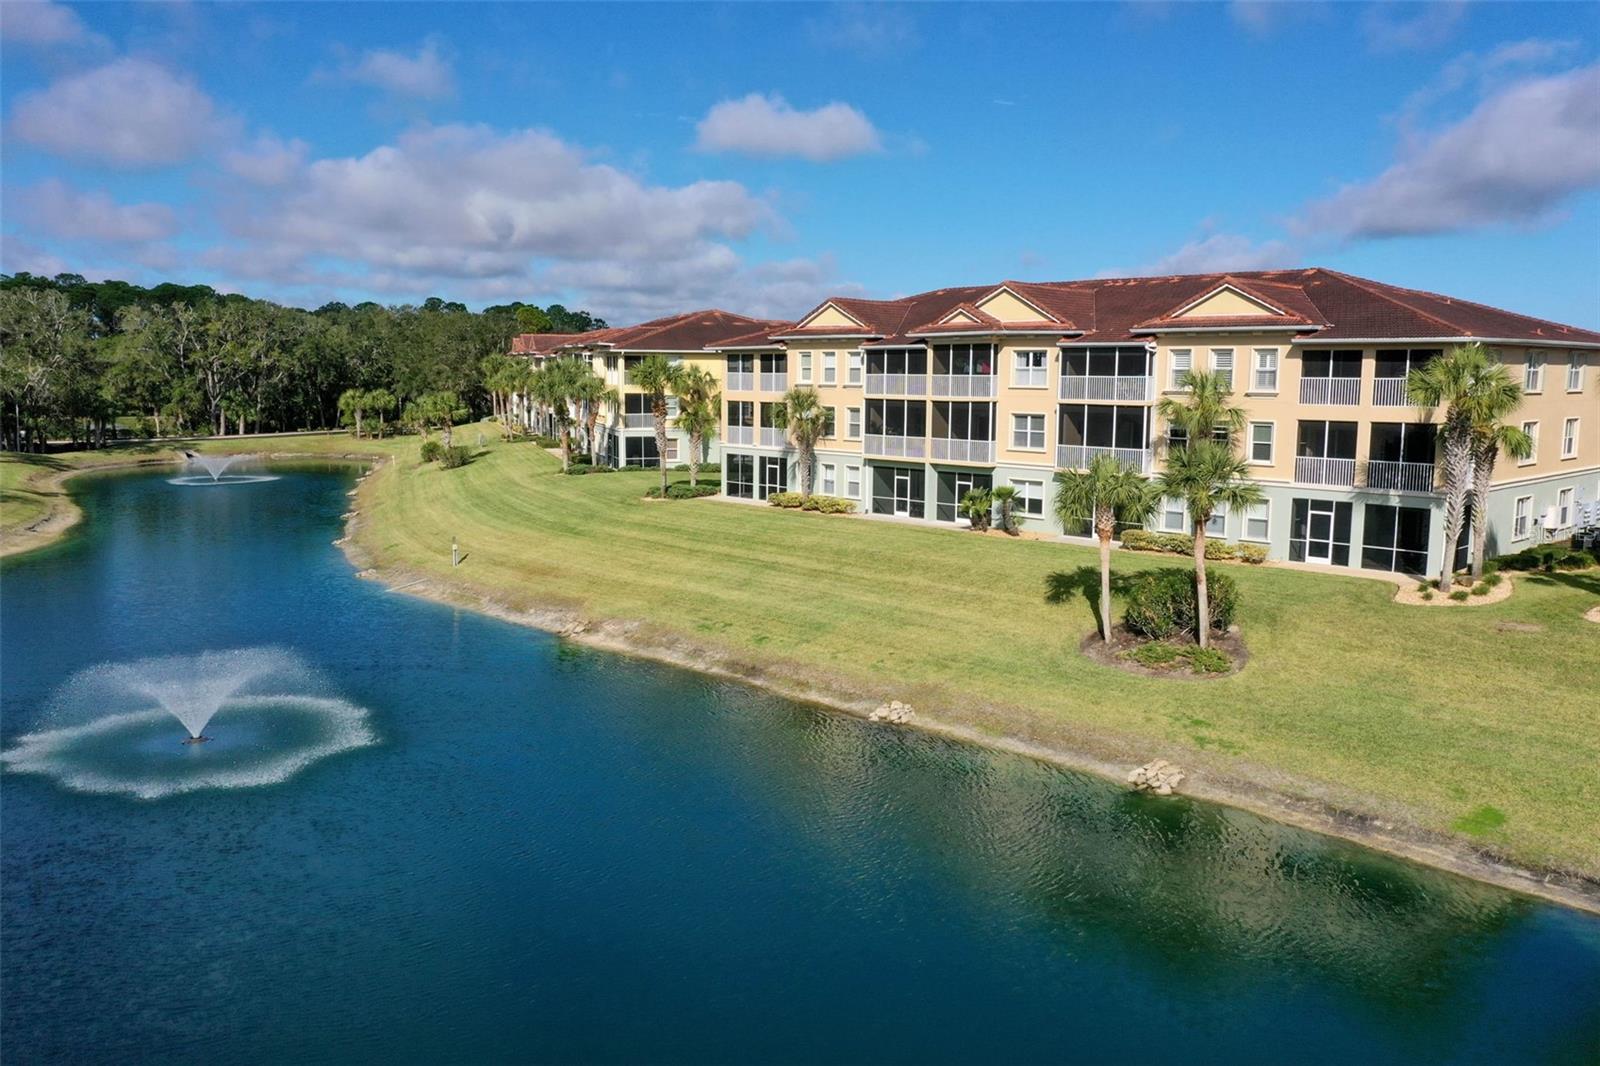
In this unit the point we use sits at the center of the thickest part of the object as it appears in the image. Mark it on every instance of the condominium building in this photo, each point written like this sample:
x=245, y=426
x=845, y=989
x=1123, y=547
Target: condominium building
x=938, y=393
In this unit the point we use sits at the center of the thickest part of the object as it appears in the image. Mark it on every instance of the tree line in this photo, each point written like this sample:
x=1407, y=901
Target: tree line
x=84, y=361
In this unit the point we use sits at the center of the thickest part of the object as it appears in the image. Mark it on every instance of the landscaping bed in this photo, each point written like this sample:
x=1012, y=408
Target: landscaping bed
x=1183, y=660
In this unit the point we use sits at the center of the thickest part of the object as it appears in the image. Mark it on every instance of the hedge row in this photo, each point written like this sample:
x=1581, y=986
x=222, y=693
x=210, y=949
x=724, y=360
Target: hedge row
x=824, y=504
x=1143, y=540
x=1550, y=557
x=682, y=490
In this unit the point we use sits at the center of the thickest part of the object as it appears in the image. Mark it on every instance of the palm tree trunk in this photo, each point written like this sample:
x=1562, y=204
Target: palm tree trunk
x=1457, y=483
x=660, y=411
x=566, y=449
x=1482, y=473
x=1202, y=600
x=694, y=459
x=806, y=456
x=1104, y=529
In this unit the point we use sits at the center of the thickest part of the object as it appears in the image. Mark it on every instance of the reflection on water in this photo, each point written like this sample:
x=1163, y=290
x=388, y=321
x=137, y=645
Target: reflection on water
x=557, y=854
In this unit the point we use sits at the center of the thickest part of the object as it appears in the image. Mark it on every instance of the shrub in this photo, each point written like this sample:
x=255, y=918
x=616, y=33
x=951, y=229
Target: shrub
x=1428, y=594
x=1253, y=553
x=1424, y=586
x=456, y=456
x=1549, y=557
x=1459, y=595
x=784, y=499
x=544, y=441
x=682, y=490
x=431, y=450
x=1144, y=540
x=1492, y=578
x=1207, y=660
x=1481, y=588
x=1220, y=549
x=580, y=469
x=1161, y=603
x=835, y=505
x=1156, y=653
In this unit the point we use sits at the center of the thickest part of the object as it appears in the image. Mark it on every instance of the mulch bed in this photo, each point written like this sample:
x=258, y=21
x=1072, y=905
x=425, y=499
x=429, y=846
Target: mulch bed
x=1115, y=654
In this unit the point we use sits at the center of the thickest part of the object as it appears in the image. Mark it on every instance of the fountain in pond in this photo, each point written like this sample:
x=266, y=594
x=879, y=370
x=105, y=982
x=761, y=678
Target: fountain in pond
x=115, y=727
x=216, y=470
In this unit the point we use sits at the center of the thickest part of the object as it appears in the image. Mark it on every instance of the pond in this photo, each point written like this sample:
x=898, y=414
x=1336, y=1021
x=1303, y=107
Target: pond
x=527, y=850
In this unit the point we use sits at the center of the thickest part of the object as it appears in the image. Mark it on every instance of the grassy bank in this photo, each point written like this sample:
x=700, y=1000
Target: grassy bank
x=1476, y=723
x=1443, y=719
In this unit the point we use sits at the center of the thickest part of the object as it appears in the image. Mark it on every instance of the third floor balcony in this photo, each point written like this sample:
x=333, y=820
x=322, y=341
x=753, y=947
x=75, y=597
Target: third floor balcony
x=1138, y=388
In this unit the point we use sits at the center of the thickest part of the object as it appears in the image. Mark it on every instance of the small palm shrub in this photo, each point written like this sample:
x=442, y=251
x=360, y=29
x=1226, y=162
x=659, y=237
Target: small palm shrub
x=1156, y=653
x=1161, y=603
x=1459, y=595
x=431, y=451
x=1481, y=588
x=458, y=455
x=1207, y=660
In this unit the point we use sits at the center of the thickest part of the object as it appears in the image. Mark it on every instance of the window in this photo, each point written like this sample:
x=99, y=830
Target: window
x=1177, y=436
x=1533, y=375
x=1563, y=508
x=1217, y=524
x=852, y=482
x=1027, y=432
x=828, y=425
x=830, y=367
x=852, y=423
x=854, y=372
x=1575, y=372
x=1569, y=439
x=1030, y=369
x=1261, y=442
x=1030, y=497
x=672, y=450
x=1182, y=363
x=827, y=479
x=1266, y=370
x=742, y=476
x=1173, y=518
x=1519, y=520
x=805, y=368
x=1258, y=521
x=1532, y=430
x=1222, y=365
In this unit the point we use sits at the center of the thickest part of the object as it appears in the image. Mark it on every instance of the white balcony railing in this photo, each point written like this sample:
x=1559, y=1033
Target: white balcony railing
x=1330, y=390
x=1407, y=477
x=1106, y=387
x=1316, y=470
x=960, y=385
x=741, y=382
x=963, y=451
x=741, y=435
x=639, y=421
x=897, y=384
x=774, y=382
x=895, y=447
x=1078, y=456
x=773, y=438
x=1390, y=392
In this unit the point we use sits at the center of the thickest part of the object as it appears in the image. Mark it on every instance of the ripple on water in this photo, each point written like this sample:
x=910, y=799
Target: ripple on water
x=223, y=479
x=255, y=741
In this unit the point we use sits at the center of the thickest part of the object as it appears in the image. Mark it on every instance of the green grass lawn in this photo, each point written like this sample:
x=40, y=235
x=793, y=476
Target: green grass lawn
x=1435, y=716
x=1432, y=715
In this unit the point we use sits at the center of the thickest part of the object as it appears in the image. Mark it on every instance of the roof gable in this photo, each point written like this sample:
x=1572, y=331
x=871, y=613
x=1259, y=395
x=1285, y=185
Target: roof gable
x=1005, y=304
x=830, y=314
x=1227, y=300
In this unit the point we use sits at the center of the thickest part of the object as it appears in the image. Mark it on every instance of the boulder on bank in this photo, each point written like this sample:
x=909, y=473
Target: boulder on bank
x=894, y=712
x=1160, y=777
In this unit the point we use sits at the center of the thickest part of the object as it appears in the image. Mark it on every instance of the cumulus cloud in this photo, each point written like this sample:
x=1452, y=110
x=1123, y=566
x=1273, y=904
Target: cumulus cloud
x=427, y=75
x=1404, y=27
x=127, y=113
x=1515, y=158
x=44, y=24
x=57, y=209
x=761, y=125
x=268, y=160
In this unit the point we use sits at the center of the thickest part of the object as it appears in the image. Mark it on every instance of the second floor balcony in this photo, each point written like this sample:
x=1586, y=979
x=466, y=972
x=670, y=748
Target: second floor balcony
x=897, y=385
x=963, y=451
x=638, y=421
x=741, y=435
x=895, y=447
x=980, y=386
x=1107, y=387
x=1390, y=392
x=1403, y=476
x=1330, y=390
x=774, y=382
x=741, y=381
x=773, y=438
x=1078, y=456
x=1325, y=470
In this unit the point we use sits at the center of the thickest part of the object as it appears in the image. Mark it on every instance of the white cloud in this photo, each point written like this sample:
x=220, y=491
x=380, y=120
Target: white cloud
x=1220, y=252
x=55, y=208
x=1514, y=159
x=427, y=75
x=268, y=160
x=1420, y=25
x=128, y=113
x=871, y=30
x=45, y=24
x=1264, y=17
x=767, y=126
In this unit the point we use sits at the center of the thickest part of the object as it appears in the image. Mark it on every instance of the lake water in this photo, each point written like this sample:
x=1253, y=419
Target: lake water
x=551, y=853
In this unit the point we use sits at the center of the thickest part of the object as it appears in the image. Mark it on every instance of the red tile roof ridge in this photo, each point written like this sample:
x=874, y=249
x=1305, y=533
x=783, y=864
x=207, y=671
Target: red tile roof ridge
x=1376, y=289
x=1364, y=283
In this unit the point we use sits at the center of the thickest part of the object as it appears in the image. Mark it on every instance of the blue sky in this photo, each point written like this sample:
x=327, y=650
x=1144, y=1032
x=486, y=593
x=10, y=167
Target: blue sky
x=641, y=159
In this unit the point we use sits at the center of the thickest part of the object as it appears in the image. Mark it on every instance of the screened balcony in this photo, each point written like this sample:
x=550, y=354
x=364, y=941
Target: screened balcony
x=1325, y=453
x=636, y=412
x=1393, y=367
x=896, y=429
x=774, y=373
x=771, y=435
x=897, y=372
x=1107, y=373
x=1088, y=430
x=741, y=373
x=1330, y=376
x=964, y=370
x=741, y=422
x=1401, y=456
x=963, y=432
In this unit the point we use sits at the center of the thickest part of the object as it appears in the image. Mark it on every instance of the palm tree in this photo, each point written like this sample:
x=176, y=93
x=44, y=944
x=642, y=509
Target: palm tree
x=1475, y=392
x=656, y=376
x=699, y=411
x=1490, y=437
x=553, y=386
x=380, y=402
x=977, y=507
x=352, y=402
x=592, y=395
x=1104, y=494
x=802, y=414
x=1005, y=498
x=1205, y=408
x=1205, y=476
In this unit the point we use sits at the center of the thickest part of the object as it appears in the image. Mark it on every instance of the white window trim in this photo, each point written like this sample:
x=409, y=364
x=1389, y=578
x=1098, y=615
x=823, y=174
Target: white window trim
x=829, y=482
x=1533, y=455
x=1575, y=370
x=1044, y=420
x=1564, y=523
x=855, y=363
x=1184, y=526
x=1022, y=496
x=1244, y=526
x=852, y=426
x=1017, y=354
x=1272, y=445
x=1233, y=366
x=1528, y=531
x=1534, y=370
x=830, y=368
x=1570, y=453
x=852, y=470
x=1173, y=373
x=1256, y=368
x=804, y=370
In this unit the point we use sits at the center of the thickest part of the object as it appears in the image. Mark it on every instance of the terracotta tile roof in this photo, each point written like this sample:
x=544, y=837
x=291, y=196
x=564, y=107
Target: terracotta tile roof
x=547, y=343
